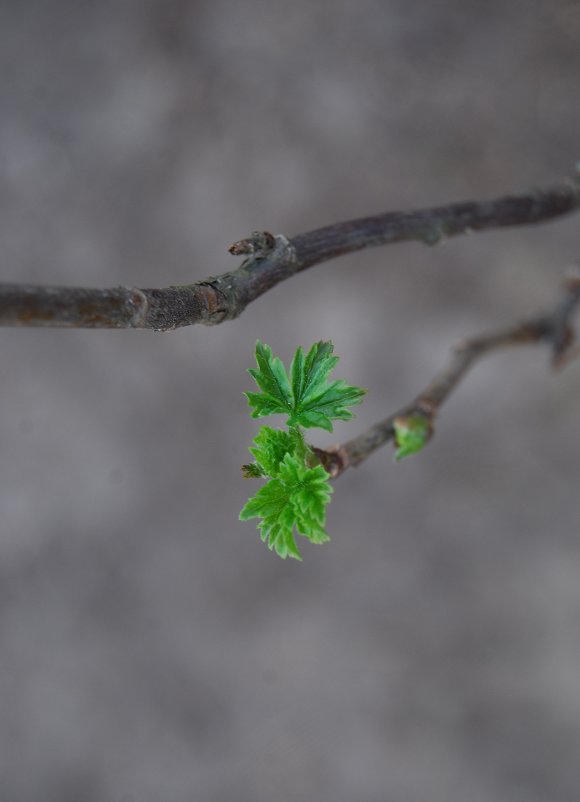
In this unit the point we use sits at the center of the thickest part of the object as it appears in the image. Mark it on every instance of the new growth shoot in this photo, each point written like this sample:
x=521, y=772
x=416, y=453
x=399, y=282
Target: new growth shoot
x=295, y=497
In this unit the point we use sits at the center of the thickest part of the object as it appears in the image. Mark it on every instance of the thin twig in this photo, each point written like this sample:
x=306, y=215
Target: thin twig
x=553, y=327
x=270, y=261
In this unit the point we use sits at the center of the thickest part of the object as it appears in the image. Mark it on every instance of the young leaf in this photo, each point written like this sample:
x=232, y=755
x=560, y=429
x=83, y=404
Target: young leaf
x=311, y=400
x=297, y=498
x=310, y=496
x=411, y=434
x=272, y=445
x=271, y=504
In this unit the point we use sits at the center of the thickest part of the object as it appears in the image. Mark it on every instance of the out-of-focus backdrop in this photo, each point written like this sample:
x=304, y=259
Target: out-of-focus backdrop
x=152, y=649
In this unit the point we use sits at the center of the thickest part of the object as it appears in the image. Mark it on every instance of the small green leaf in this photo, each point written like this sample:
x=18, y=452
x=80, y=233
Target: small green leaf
x=271, y=447
x=271, y=504
x=412, y=432
x=310, y=400
x=310, y=496
x=297, y=498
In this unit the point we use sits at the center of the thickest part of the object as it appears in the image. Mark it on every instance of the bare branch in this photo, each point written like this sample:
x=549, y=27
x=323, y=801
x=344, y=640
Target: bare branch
x=552, y=327
x=270, y=261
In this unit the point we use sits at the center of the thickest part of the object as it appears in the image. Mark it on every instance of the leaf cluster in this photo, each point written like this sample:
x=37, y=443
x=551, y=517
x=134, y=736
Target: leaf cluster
x=298, y=490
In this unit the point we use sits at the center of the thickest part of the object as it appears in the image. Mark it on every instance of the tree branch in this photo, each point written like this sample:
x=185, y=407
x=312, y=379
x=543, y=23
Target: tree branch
x=270, y=261
x=553, y=327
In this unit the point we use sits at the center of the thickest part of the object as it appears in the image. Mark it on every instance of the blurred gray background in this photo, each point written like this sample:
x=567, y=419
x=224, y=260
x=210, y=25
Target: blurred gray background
x=151, y=648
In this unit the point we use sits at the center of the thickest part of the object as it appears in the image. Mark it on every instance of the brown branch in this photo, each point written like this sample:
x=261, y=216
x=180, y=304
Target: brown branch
x=270, y=261
x=553, y=327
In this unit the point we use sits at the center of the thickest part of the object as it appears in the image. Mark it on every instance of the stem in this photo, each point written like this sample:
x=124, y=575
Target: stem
x=270, y=260
x=553, y=327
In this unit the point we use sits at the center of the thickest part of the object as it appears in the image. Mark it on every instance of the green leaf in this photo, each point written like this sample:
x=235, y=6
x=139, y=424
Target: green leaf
x=271, y=447
x=296, y=499
x=271, y=504
x=310, y=496
x=412, y=432
x=308, y=398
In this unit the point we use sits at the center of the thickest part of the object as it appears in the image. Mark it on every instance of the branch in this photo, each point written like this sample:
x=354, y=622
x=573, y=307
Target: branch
x=552, y=327
x=270, y=261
